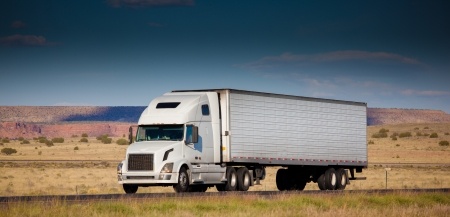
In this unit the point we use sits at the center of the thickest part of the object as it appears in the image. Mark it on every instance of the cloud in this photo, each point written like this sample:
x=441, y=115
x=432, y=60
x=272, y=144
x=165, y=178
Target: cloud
x=150, y=3
x=18, y=24
x=24, y=40
x=335, y=56
x=411, y=92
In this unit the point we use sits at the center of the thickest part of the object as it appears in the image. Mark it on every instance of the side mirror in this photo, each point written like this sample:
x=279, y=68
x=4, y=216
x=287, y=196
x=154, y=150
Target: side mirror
x=194, y=134
x=191, y=134
x=130, y=135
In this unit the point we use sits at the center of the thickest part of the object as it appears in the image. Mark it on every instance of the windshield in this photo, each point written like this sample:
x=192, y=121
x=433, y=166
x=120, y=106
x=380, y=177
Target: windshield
x=160, y=132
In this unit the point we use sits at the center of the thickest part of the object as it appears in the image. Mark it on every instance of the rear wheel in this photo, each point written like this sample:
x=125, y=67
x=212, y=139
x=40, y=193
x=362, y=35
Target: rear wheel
x=300, y=184
x=183, y=181
x=198, y=188
x=243, y=179
x=341, y=176
x=282, y=180
x=321, y=182
x=130, y=189
x=330, y=179
x=220, y=187
x=231, y=179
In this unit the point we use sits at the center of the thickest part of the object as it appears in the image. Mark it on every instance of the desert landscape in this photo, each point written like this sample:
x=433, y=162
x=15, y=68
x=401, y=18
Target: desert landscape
x=413, y=151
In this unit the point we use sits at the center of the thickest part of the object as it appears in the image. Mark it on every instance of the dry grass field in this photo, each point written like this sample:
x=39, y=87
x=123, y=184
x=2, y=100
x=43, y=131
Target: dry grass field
x=95, y=171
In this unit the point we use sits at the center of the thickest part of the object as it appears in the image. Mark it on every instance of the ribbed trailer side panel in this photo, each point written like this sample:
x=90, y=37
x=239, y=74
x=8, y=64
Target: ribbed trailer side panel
x=289, y=130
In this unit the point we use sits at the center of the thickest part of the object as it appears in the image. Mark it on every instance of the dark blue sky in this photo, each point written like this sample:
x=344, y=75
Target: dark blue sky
x=126, y=52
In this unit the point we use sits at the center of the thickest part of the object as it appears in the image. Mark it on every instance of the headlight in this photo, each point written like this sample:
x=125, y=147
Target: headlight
x=119, y=168
x=167, y=168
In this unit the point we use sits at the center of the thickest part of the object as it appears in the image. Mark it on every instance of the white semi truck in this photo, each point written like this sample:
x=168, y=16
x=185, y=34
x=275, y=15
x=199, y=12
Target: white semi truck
x=195, y=139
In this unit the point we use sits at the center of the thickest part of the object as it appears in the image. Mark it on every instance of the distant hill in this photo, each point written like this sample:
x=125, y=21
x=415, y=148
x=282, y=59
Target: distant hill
x=381, y=116
x=33, y=121
x=54, y=114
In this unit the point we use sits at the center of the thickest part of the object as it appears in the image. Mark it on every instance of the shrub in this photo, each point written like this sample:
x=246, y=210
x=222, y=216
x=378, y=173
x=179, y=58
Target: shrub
x=371, y=142
x=106, y=140
x=76, y=148
x=394, y=138
x=443, y=143
x=84, y=135
x=405, y=134
x=25, y=142
x=20, y=139
x=382, y=130
x=49, y=143
x=434, y=135
x=42, y=139
x=446, y=134
x=122, y=142
x=5, y=140
x=84, y=139
x=426, y=128
x=416, y=128
x=58, y=140
x=379, y=135
x=100, y=138
x=9, y=151
x=419, y=134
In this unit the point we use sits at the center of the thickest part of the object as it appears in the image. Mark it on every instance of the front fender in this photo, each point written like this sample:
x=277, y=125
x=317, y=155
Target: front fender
x=180, y=163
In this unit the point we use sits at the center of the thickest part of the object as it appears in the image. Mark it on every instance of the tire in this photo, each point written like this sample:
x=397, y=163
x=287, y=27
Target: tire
x=300, y=185
x=330, y=179
x=198, y=188
x=130, y=189
x=220, y=187
x=282, y=179
x=321, y=182
x=243, y=179
x=183, y=181
x=341, y=177
x=231, y=184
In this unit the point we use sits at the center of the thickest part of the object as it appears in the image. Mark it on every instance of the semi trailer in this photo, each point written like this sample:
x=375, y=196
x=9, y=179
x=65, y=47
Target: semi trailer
x=225, y=138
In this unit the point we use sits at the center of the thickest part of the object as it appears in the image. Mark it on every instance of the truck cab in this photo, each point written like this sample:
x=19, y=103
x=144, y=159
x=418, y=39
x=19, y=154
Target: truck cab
x=177, y=143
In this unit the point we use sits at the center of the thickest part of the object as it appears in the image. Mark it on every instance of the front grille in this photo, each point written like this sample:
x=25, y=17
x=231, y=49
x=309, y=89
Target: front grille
x=140, y=162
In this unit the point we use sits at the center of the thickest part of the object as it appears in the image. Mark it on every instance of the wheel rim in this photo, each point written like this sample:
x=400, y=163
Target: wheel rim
x=183, y=180
x=343, y=179
x=333, y=179
x=246, y=179
x=233, y=179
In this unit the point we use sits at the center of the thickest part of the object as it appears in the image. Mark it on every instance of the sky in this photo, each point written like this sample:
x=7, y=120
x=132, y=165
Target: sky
x=389, y=54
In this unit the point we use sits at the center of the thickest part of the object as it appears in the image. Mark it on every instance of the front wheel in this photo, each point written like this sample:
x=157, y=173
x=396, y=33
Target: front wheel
x=183, y=181
x=130, y=189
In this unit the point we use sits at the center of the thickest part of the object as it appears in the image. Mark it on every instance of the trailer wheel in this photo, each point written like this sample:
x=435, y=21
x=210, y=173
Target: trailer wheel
x=243, y=179
x=330, y=179
x=231, y=179
x=300, y=184
x=341, y=176
x=282, y=179
x=183, y=181
x=321, y=182
x=198, y=188
x=130, y=189
x=220, y=187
